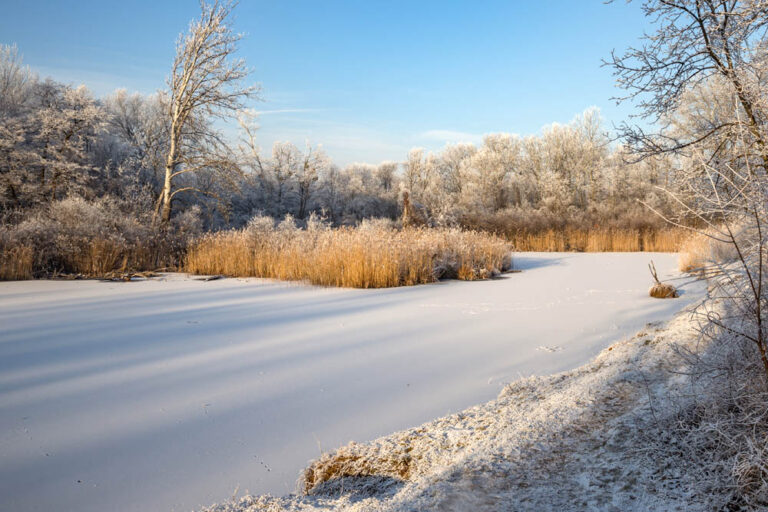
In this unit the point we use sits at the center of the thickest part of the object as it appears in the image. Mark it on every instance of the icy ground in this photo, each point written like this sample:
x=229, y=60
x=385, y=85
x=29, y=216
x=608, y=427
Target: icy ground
x=168, y=394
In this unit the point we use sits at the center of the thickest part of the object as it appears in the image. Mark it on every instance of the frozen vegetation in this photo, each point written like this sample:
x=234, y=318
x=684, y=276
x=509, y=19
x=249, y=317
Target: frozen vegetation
x=170, y=393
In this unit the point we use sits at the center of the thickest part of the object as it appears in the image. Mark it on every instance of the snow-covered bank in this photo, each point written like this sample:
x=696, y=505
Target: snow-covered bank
x=571, y=441
x=167, y=394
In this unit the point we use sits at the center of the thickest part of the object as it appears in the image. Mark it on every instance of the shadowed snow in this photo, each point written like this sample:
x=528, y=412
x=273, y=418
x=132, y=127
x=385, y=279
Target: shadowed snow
x=168, y=394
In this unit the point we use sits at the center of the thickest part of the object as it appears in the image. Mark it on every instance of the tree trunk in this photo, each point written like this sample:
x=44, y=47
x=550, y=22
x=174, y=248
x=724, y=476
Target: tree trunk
x=165, y=216
x=170, y=167
x=303, y=199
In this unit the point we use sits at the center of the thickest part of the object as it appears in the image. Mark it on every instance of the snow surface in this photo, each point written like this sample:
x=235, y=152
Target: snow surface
x=168, y=394
x=584, y=439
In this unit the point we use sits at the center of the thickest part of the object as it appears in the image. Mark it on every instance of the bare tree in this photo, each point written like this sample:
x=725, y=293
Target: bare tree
x=314, y=163
x=695, y=40
x=15, y=79
x=703, y=74
x=730, y=204
x=206, y=82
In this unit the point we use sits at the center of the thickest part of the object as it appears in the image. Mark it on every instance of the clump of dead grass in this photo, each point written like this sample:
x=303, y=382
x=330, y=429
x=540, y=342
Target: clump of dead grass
x=355, y=461
x=371, y=255
x=661, y=290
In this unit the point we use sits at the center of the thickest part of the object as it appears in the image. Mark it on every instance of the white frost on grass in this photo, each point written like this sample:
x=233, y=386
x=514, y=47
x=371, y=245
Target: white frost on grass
x=168, y=394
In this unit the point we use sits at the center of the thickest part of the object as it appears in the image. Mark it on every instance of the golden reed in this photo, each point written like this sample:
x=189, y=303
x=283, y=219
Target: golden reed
x=600, y=240
x=362, y=257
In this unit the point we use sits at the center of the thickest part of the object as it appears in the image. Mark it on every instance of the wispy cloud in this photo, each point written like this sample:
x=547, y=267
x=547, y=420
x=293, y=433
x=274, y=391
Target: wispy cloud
x=451, y=136
x=286, y=111
x=345, y=142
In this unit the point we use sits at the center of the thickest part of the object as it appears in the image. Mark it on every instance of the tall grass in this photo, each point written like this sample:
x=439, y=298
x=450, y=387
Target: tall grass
x=369, y=256
x=599, y=240
x=16, y=263
x=99, y=257
x=700, y=253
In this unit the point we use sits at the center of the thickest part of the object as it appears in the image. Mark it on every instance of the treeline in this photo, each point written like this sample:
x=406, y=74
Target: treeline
x=58, y=141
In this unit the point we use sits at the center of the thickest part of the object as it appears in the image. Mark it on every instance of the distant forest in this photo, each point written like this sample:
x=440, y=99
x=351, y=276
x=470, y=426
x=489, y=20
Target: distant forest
x=59, y=144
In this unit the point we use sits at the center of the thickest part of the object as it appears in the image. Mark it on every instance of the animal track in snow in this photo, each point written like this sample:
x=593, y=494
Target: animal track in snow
x=552, y=349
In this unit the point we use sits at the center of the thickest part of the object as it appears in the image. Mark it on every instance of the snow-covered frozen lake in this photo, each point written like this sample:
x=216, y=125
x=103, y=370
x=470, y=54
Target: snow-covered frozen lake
x=168, y=394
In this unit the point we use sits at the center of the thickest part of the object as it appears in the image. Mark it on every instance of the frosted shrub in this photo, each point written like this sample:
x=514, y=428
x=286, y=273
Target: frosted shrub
x=259, y=225
x=316, y=223
x=92, y=238
x=713, y=433
x=377, y=224
x=188, y=223
x=287, y=225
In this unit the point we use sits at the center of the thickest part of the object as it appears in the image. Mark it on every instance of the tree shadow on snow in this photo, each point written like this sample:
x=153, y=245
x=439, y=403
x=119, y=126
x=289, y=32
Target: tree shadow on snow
x=531, y=262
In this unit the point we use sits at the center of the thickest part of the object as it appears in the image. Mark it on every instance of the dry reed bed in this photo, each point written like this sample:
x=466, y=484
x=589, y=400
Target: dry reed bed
x=16, y=263
x=361, y=257
x=600, y=240
x=98, y=257
x=371, y=256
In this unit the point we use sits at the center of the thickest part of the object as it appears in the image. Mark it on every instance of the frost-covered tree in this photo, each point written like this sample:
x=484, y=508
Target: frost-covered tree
x=137, y=143
x=313, y=164
x=206, y=83
x=490, y=173
x=15, y=81
x=704, y=75
x=694, y=41
x=68, y=122
x=46, y=142
x=282, y=169
x=454, y=168
x=418, y=173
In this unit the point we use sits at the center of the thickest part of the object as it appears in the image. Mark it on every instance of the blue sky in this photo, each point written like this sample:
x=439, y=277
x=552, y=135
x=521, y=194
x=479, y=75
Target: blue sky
x=366, y=79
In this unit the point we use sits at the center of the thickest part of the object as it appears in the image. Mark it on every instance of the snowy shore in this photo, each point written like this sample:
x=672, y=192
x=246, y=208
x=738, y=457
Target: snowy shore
x=168, y=394
x=571, y=441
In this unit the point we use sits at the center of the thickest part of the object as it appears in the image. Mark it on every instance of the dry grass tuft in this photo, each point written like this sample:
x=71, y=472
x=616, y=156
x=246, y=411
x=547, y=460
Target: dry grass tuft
x=599, y=240
x=694, y=253
x=354, y=461
x=663, y=291
x=100, y=257
x=369, y=256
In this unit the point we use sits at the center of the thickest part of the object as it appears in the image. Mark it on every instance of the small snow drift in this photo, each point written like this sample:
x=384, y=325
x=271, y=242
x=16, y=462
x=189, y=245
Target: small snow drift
x=661, y=290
